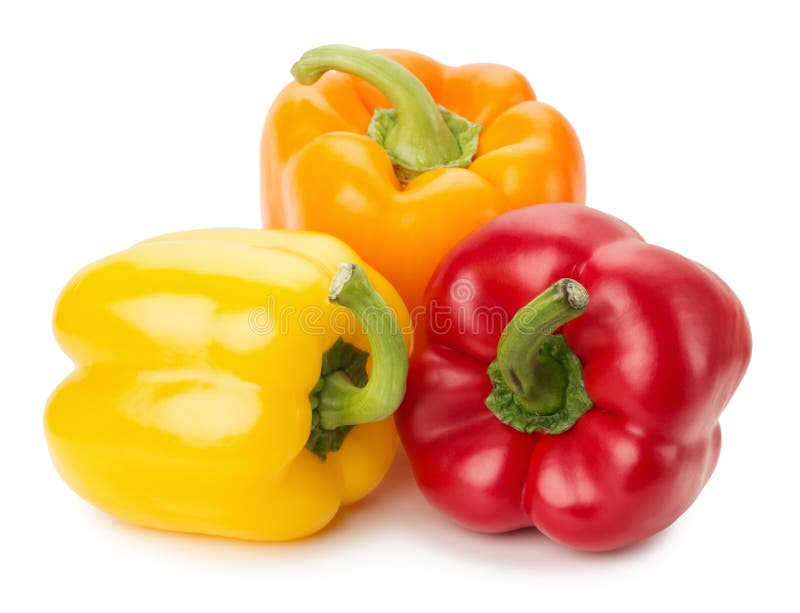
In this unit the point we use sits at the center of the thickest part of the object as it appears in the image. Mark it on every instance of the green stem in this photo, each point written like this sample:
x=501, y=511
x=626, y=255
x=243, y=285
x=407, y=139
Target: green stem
x=518, y=350
x=418, y=135
x=340, y=402
x=537, y=379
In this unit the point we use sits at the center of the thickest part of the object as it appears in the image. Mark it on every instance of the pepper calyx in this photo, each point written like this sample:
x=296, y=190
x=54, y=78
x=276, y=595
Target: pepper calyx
x=417, y=134
x=561, y=405
x=466, y=133
x=344, y=396
x=537, y=379
x=352, y=362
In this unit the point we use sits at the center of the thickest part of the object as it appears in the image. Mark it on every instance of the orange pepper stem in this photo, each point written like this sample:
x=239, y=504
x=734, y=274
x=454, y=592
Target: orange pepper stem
x=341, y=402
x=418, y=135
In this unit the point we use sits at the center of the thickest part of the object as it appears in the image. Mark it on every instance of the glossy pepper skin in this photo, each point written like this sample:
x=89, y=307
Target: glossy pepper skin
x=320, y=171
x=663, y=343
x=189, y=407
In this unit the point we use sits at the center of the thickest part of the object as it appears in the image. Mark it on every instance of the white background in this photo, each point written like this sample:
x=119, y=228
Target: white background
x=120, y=122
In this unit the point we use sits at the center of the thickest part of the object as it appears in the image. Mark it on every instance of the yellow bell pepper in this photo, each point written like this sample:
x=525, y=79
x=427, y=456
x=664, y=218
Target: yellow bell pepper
x=220, y=389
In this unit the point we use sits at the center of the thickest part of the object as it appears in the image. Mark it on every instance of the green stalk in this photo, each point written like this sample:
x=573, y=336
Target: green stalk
x=538, y=380
x=340, y=401
x=418, y=135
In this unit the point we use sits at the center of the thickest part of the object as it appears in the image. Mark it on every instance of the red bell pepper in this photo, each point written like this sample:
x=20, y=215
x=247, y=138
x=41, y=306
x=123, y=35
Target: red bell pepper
x=599, y=436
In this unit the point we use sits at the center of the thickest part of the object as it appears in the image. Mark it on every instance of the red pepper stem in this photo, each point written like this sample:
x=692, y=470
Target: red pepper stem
x=535, y=380
x=341, y=403
x=418, y=135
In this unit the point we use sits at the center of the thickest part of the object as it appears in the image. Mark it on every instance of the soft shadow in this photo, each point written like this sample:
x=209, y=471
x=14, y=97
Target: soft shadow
x=396, y=506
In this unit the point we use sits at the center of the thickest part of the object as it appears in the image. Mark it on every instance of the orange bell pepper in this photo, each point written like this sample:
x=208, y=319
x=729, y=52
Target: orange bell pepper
x=404, y=186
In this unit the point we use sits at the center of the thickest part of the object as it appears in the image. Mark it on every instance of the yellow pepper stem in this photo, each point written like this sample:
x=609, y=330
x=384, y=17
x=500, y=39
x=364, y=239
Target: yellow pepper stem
x=417, y=134
x=341, y=403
